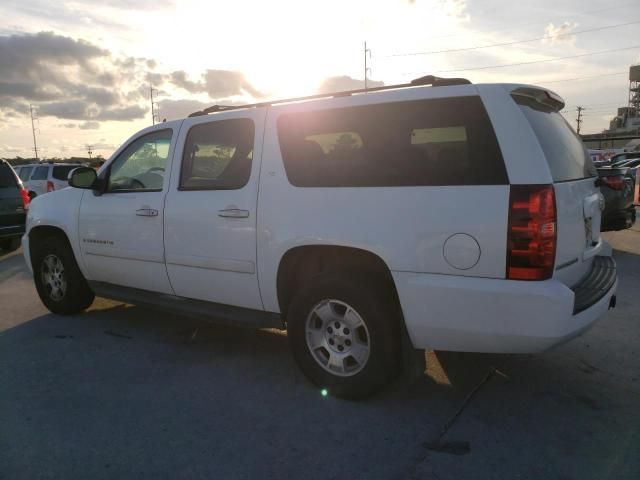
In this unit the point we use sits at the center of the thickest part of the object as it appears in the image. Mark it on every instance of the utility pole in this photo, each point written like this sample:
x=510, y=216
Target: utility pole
x=33, y=131
x=89, y=150
x=579, y=118
x=367, y=51
x=154, y=105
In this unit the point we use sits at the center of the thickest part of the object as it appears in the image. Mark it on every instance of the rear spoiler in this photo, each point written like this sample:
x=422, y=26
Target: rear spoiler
x=539, y=95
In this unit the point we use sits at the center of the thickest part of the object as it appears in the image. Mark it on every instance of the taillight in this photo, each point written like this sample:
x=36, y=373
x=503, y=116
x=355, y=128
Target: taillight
x=614, y=183
x=25, y=198
x=531, y=238
x=50, y=186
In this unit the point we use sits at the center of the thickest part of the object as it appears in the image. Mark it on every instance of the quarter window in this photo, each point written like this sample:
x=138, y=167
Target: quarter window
x=41, y=173
x=427, y=142
x=141, y=166
x=217, y=155
x=24, y=173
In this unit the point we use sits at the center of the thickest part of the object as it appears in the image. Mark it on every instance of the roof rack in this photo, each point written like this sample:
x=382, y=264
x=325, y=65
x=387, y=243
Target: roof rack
x=422, y=81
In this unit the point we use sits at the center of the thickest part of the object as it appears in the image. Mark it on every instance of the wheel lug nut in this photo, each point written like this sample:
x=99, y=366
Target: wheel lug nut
x=337, y=324
x=346, y=331
x=347, y=343
x=330, y=330
x=331, y=342
x=340, y=347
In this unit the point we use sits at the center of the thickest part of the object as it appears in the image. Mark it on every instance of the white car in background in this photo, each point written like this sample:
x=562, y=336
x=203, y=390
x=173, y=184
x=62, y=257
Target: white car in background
x=40, y=178
x=451, y=216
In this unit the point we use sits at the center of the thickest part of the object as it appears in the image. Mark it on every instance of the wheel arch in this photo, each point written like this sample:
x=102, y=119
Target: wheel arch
x=305, y=261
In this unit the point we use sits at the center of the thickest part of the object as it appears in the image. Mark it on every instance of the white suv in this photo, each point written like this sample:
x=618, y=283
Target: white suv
x=453, y=216
x=41, y=178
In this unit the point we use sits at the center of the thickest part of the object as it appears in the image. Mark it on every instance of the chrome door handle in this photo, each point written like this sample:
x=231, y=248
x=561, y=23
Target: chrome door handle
x=233, y=213
x=147, y=212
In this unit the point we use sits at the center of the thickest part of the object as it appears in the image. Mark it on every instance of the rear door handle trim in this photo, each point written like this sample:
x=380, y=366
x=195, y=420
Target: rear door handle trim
x=233, y=213
x=147, y=212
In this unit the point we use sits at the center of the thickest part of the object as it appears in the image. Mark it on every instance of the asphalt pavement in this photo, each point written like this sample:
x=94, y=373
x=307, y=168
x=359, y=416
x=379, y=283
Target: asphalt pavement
x=127, y=392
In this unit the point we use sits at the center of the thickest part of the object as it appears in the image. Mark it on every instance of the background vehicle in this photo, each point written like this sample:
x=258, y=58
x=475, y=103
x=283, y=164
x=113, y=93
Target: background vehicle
x=622, y=159
x=40, y=178
x=14, y=202
x=345, y=219
x=618, y=186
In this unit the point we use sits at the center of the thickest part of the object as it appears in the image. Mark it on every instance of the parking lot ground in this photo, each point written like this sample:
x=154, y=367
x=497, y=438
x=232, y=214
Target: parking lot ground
x=127, y=392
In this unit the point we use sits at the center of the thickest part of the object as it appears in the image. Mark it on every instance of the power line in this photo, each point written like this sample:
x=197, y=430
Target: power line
x=560, y=80
x=515, y=42
x=532, y=62
x=513, y=26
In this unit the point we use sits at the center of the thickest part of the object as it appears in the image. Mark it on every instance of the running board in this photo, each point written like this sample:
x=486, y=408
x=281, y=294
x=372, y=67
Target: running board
x=210, y=311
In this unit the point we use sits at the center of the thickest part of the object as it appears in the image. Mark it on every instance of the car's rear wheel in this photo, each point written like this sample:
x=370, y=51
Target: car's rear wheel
x=344, y=334
x=59, y=281
x=10, y=244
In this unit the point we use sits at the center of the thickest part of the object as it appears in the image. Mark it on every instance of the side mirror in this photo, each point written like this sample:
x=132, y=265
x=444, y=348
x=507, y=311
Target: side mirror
x=83, y=177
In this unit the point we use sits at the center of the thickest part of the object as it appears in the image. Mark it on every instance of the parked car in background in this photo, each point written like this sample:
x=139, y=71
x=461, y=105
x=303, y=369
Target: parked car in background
x=14, y=202
x=621, y=159
x=618, y=186
x=40, y=178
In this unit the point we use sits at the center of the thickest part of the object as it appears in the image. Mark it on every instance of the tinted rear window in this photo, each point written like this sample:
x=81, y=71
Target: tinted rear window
x=566, y=155
x=40, y=173
x=7, y=177
x=60, y=173
x=420, y=143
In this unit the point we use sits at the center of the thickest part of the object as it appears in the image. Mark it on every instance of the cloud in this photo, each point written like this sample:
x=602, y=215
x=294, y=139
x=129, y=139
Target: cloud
x=89, y=126
x=216, y=83
x=344, y=82
x=560, y=34
x=175, y=109
x=68, y=78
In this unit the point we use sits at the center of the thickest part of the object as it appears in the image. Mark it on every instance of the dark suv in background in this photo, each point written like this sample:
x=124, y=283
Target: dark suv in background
x=14, y=202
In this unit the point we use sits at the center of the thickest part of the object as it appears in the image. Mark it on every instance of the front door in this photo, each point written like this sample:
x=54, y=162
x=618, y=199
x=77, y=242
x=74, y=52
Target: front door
x=210, y=211
x=121, y=229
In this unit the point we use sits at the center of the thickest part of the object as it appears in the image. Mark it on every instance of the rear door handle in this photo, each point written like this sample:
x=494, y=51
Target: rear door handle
x=233, y=213
x=147, y=212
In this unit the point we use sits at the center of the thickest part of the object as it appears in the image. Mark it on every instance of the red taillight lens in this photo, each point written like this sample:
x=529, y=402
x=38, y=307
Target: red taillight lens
x=25, y=198
x=531, y=239
x=614, y=183
x=50, y=186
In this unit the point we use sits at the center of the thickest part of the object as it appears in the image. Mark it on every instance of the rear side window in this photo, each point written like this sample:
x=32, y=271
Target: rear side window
x=217, y=155
x=420, y=143
x=25, y=172
x=7, y=177
x=566, y=155
x=62, y=172
x=40, y=173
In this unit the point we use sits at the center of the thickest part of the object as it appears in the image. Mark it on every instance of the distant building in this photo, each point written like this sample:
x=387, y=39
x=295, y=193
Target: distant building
x=627, y=121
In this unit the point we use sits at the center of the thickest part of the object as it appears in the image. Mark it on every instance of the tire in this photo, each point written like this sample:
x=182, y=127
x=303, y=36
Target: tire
x=11, y=244
x=348, y=373
x=59, y=282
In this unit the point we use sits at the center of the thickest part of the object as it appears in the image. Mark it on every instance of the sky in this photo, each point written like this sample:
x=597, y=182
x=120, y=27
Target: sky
x=86, y=67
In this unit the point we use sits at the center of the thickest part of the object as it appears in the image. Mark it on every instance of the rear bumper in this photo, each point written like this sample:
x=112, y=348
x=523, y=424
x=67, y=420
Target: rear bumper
x=11, y=231
x=444, y=312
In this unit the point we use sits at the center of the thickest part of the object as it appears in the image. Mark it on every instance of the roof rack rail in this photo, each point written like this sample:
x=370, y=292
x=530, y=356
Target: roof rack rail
x=422, y=81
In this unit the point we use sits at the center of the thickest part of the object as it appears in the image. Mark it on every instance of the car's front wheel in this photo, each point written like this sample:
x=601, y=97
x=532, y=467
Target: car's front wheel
x=59, y=281
x=344, y=334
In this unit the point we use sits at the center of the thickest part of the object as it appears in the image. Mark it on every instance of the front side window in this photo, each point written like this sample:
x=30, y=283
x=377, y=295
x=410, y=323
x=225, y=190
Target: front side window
x=141, y=166
x=419, y=143
x=217, y=155
x=41, y=173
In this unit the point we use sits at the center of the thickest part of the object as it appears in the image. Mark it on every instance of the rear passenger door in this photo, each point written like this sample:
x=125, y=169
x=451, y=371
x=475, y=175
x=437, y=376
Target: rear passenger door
x=38, y=181
x=210, y=210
